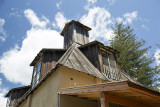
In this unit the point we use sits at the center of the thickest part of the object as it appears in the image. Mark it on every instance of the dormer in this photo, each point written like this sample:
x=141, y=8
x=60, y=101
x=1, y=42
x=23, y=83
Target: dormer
x=15, y=94
x=103, y=58
x=43, y=63
x=75, y=32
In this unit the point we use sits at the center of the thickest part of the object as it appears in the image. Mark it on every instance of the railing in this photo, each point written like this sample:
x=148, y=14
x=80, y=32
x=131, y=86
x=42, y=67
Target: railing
x=111, y=73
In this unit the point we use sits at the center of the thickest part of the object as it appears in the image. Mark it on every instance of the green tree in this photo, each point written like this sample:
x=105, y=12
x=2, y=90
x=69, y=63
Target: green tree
x=133, y=57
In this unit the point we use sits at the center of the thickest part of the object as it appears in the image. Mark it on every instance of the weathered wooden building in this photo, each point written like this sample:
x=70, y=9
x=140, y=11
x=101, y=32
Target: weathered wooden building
x=83, y=74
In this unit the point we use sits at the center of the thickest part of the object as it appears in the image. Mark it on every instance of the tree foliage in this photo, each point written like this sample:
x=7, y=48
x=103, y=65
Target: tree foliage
x=133, y=57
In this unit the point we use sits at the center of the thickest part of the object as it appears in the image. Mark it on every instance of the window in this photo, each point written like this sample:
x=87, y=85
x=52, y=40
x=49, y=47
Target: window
x=105, y=59
x=36, y=73
x=108, y=59
x=109, y=65
x=112, y=61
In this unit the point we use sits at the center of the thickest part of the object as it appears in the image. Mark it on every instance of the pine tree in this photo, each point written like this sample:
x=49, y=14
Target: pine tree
x=133, y=57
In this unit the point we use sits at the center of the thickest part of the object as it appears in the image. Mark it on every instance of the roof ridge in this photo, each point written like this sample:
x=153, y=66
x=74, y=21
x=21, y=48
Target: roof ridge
x=67, y=53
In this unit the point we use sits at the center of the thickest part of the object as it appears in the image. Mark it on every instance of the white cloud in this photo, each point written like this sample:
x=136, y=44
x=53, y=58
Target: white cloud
x=99, y=19
x=60, y=20
x=129, y=17
x=14, y=64
x=58, y=4
x=157, y=56
x=111, y=2
x=145, y=27
x=3, y=92
x=2, y=31
x=34, y=20
x=119, y=19
x=15, y=12
x=92, y=1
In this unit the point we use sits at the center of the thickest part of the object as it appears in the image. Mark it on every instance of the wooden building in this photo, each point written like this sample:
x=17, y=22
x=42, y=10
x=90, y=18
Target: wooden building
x=83, y=74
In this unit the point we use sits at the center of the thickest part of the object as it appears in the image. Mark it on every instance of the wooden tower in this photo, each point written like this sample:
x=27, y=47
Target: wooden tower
x=75, y=32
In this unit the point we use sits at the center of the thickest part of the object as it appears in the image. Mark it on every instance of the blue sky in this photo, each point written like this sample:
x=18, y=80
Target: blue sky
x=27, y=26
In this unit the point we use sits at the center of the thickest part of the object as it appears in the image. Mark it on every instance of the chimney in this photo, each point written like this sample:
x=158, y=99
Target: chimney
x=74, y=31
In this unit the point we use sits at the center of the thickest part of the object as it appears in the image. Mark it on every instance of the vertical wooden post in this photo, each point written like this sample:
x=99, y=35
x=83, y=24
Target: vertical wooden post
x=103, y=101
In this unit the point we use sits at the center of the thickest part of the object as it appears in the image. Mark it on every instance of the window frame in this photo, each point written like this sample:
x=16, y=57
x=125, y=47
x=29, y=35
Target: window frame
x=36, y=73
x=109, y=57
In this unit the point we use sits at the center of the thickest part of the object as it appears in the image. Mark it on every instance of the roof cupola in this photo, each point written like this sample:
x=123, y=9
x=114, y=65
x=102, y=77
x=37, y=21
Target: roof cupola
x=74, y=31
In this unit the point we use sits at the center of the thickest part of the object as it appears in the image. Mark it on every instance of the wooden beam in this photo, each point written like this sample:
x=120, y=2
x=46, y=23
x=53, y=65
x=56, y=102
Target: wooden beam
x=96, y=88
x=114, y=98
x=145, y=93
x=103, y=101
x=89, y=95
x=142, y=89
x=126, y=89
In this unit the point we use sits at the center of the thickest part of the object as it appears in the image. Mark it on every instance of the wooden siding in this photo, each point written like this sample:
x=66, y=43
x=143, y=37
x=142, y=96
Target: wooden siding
x=48, y=60
x=93, y=55
x=68, y=37
x=75, y=33
x=81, y=35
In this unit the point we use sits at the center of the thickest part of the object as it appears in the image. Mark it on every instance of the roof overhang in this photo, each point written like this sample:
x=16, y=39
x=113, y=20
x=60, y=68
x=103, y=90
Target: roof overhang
x=39, y=55
x=74, y=22
x=101, y=45
x=124, y=89
x=18, y=88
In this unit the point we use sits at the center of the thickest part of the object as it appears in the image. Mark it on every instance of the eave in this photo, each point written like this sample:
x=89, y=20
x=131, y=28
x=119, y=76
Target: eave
x=18, y=88
x=39, y=55
x=122, y=89
x=75, y=22
x=101, y=45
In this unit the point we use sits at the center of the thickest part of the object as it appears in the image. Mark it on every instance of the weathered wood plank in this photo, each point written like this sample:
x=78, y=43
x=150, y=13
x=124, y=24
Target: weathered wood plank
x=75, y=33
x=103, y=101
x=96, y=88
